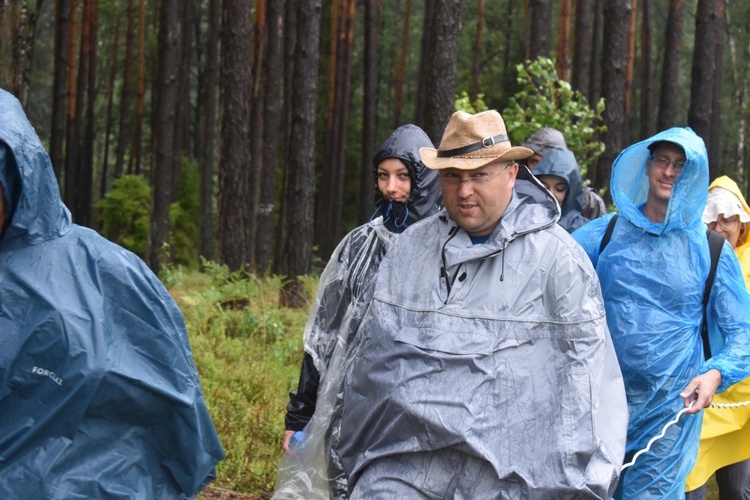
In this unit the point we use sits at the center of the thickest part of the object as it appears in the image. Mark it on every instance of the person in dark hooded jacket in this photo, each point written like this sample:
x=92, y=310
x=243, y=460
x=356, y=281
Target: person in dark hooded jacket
x=558, y=171
x=99, y=396
x=405, y=193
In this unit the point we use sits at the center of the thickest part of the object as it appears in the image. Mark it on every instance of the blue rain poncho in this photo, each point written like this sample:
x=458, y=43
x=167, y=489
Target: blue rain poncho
x=562, y=163
x=653, y=276
x=502, y=383
x=344, y=294
x=99, y=396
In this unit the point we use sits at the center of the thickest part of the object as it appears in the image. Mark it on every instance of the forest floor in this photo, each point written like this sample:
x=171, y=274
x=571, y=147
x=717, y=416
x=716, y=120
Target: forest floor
x=214, y=493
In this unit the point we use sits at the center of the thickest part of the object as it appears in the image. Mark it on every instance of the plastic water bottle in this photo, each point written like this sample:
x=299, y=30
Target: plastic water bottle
x=298, y=439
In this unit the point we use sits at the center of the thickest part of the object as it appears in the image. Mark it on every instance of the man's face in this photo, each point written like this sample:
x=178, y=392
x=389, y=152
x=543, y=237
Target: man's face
x=663, y=168
x=476, y=199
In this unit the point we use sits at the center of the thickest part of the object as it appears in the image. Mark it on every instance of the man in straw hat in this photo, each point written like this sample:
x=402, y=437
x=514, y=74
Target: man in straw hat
x=485, y=368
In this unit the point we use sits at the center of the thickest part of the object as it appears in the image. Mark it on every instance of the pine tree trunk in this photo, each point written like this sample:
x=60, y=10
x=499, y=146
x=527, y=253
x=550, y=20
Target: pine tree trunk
x=209, y=131
x=401, y=72
x=86, y=185
x=235, y=94
x=272, y=69
x=584, y=18
x=110, y=99
x=290, y=43
x=330, y=201
x=647, y=76
x=476, y=54
x=424, y=60
x=59, y=89
x=182, y=111
x=670, y=70
x=704, y=70
x=123, y=133
x=164, y=118
x=631, y=59
x=134, y=166
x=256, y=126
x=369, y=109
x=299, y=196
x=441, y=72
x=540, y=28
x=714, y=142
x=563, y=40
x=614, y=77
x=71, y=133
x=596, y=53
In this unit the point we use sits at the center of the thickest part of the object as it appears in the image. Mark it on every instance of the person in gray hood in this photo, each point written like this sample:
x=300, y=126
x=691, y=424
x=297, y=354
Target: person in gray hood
x=485, y=368
x=545, y=140
x=405, y=192
x=559, y=173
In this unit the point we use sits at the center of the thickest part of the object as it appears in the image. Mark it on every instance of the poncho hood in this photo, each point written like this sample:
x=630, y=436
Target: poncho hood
x=562, y=163
x=33, y=208
x=425, y=198
x=629, y=183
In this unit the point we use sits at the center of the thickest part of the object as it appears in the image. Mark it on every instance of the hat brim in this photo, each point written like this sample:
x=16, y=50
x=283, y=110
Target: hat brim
x=471, y=161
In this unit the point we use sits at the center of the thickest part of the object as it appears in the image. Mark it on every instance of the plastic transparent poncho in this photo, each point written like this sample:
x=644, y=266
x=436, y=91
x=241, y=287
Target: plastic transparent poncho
x=485, y=371
x=311, y=470
x=99, y=396
x=653, y=276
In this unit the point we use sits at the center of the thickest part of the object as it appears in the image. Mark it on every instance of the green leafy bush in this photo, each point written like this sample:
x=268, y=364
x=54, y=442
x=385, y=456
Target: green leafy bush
x=463, y=103
x=546, y=101
x=124, y=212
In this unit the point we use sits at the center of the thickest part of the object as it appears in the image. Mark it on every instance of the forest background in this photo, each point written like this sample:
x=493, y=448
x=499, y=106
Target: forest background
x=238, y=134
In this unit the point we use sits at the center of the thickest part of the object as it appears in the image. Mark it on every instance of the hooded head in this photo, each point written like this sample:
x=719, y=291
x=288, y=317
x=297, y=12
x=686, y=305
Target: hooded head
x=424, y=200
x=541, y=143
x=727, y=211
x=562, y=163
x=32, y=206
x=630, y=182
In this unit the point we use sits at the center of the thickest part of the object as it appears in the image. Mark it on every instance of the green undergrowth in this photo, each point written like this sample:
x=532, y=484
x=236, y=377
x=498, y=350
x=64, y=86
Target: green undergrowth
x=248, y=352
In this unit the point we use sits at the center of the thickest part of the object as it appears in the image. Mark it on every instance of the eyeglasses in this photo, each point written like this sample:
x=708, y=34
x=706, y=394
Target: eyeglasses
x=727, y=224
x=476, y=179
x=663, y=163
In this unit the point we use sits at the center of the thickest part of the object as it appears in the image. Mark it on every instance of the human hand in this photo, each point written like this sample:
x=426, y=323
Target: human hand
x=701, y=390
x=287, y=437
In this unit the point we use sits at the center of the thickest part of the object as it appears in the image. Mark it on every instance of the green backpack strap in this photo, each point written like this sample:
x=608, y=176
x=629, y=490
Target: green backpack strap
x=715, y=244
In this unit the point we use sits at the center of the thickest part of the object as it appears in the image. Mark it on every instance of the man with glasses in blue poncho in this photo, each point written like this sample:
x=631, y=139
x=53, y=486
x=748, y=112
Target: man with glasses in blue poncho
x=99, y=396
x=653, y=272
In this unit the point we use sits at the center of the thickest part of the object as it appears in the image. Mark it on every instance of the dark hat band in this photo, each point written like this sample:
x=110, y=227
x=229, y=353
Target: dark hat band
x=487, y=142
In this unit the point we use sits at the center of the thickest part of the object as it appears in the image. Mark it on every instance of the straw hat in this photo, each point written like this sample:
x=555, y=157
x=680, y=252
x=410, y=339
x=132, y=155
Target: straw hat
x=473, y=141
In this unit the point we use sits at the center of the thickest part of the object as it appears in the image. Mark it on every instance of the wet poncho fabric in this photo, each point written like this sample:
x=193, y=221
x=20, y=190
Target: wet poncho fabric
x=344, y=294
x=99, y=396
x=492, y=378
x=652, y=277
x=725, y=435
x=562, y=163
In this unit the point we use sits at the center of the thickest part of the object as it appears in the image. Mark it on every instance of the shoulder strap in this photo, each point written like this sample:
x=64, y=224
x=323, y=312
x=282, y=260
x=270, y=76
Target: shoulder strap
x=608, y=233
x=715, y=244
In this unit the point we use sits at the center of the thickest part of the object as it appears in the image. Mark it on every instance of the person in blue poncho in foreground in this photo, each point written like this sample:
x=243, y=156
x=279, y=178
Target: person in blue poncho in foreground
x=653, y=273
x=99, y=396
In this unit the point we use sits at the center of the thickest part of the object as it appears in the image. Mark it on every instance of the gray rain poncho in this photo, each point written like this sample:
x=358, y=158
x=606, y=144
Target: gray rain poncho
x=99, y=396
x=344, y=293
x=486, y=371
x=562, y=163
x=652, y=277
